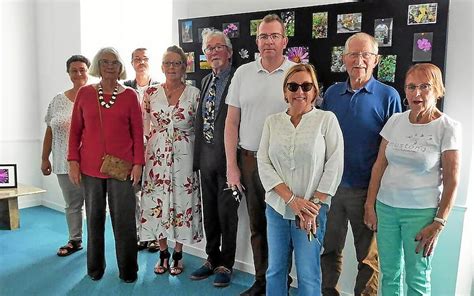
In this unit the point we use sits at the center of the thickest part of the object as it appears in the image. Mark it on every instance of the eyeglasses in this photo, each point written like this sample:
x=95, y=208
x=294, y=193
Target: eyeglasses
x=424, y=87
x=115, y=63
x=293, y=86
x=140, y=60
x=217, y=48
x=174, y=63
x=272, y=36
x=364, y=54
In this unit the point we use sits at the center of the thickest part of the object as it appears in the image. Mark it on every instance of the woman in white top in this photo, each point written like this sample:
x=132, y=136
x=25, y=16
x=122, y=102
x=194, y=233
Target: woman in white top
x=58, y=121
x=300, y=164
x=414, y=181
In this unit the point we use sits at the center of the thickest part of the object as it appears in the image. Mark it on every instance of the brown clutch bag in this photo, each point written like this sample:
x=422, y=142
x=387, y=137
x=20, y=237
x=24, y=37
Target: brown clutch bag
x=115, y=167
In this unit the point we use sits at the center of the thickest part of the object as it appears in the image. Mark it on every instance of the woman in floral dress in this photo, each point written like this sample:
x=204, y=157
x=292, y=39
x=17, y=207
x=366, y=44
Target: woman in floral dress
x=170, y=205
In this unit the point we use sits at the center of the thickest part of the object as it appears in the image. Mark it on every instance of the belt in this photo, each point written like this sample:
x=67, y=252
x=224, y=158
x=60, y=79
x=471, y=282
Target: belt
x=248, y=153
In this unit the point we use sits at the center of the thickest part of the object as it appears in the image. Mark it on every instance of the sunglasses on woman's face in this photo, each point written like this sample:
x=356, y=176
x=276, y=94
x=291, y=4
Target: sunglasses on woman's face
x=293, y=86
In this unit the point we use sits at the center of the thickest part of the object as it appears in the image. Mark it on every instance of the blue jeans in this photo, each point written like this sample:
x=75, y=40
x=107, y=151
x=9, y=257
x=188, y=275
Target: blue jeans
x=396, y=232
x=283, y=236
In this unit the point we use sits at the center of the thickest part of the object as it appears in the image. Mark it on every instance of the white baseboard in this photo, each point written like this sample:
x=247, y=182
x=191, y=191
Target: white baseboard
x=53, y=205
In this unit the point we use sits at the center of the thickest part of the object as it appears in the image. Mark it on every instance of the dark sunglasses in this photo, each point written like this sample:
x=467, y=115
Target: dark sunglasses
x=293, y=87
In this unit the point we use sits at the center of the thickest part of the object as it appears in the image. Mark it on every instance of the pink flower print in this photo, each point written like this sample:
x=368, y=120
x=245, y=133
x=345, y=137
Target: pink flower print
x=424, y=44
x=298, y=54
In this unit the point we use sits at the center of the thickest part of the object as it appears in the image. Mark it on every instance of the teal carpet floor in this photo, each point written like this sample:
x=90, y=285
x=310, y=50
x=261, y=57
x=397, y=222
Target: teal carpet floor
x=29, y=265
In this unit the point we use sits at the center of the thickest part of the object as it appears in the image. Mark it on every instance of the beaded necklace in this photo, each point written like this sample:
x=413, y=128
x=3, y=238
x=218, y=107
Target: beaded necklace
x=102, y=102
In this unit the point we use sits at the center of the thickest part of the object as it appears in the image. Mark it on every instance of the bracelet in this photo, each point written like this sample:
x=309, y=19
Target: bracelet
x=440, y=220
x=291, y=199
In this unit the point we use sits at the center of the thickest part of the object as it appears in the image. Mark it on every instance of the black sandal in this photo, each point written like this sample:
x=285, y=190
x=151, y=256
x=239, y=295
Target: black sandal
x=176, y=269
x=70, y=248
x=160, y=267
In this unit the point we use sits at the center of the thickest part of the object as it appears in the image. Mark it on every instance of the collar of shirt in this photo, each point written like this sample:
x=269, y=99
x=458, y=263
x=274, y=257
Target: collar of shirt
x=288, y=116
x=280, y=68
x=368, y=87
x=223, y=74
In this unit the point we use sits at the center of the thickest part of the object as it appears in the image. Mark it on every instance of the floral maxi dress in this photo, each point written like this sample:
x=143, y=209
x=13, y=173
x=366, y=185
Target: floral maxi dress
x=170, y=203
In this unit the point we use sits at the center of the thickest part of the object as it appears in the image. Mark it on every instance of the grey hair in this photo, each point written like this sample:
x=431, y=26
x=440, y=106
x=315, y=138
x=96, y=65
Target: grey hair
x=362, y=35
x=94, y=70
x=138, y=49
x=207, y=33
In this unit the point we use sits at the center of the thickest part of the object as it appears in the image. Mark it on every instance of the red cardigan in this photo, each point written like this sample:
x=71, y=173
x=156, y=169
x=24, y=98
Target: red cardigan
x=122, y=125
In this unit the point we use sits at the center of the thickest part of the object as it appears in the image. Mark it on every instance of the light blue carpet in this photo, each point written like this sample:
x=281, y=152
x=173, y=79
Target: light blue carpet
x=29, y=265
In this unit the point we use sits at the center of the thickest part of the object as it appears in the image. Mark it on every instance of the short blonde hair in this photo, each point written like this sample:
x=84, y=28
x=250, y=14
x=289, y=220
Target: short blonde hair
x=308, y=68
x=272, y=18
x=432, y=73
x=94, y=70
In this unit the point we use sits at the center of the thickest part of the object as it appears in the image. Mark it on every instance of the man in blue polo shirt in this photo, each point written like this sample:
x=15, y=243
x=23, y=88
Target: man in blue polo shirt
x=362, y=106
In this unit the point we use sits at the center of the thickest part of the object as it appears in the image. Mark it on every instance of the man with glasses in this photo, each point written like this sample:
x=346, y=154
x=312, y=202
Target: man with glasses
x=219, y=206
x=140, y=84
x=362, y=106
x=255, y=93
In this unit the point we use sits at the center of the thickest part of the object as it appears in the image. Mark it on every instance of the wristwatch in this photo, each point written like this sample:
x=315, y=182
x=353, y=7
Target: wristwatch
x=316, y=200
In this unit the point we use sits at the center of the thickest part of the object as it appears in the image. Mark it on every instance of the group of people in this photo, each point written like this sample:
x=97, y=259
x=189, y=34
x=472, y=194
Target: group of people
x=254, y=132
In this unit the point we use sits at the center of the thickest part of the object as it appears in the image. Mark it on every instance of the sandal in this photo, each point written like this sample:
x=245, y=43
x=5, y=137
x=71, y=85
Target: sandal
x=160, y=266
x=177, y=267
x=153, y=246
x=70, y=248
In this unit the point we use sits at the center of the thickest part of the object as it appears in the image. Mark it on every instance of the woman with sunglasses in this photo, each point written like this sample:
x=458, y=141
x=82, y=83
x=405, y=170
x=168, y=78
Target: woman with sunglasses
x=170, y=204
x=106, y=119
x=300, y=163
x=413, y=183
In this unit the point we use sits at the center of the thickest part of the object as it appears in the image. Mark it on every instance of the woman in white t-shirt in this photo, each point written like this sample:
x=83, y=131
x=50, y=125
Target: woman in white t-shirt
x=414, y=180
x=58, y=121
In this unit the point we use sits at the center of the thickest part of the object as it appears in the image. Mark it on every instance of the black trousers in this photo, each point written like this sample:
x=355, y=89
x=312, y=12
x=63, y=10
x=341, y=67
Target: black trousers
x=219, y=209
x=121, y=201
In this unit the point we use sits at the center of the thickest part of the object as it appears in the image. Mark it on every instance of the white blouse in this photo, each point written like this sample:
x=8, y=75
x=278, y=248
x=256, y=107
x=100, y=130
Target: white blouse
x=307, y=158
x=58, y=117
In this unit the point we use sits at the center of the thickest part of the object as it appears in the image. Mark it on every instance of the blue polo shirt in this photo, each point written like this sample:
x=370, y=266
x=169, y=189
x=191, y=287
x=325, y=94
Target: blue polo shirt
x=361, y=114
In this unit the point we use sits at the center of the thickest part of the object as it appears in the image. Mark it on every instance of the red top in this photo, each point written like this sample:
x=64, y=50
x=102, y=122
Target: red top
x=122, y=125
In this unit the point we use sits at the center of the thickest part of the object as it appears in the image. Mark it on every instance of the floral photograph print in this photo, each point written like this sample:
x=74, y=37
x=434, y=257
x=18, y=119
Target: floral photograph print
x=189, y=62
x=349, y=23
x=422, y=47
x=320, y=25
x=288, y=18
x=203, y=64
x=337, y=65
x=386, y=68
x=8, y=178
x=244, y=53
x=421, y=14
x=254, y=27
x=298, y=54
x=187, y=31
x=383, y=31
x=231, y=29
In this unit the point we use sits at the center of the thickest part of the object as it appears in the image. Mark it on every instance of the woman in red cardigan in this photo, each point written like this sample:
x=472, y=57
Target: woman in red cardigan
x=120, y=134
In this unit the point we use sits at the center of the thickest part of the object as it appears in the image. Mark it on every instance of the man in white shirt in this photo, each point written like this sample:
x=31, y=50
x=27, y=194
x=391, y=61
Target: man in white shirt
x=254, y=93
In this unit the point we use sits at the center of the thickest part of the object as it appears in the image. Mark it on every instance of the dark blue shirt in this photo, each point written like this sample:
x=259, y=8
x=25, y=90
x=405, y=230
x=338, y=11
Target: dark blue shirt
x=361, y=114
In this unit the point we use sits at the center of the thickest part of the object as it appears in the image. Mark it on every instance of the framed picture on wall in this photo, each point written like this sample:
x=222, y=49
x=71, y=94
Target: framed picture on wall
x=8, y=178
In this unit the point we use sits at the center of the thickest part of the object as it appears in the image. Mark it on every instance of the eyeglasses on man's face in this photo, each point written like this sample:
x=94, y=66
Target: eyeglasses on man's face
x=424, y=87
x=106, y=63
x=217, y=48
x=293, y=86
x=172, y=63
x=272, y=36
x=140, y=60
x=364, y=54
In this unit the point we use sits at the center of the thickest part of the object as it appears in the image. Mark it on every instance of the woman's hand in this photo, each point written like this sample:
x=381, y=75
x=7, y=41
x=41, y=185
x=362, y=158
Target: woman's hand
x=46, y=167
x=136, y=174
x=306, y=210
x=427, y=238
x=370, y=218
x=74, y=172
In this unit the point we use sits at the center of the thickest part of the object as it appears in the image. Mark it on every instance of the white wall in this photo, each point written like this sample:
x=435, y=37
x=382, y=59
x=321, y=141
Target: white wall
x=451, y=271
